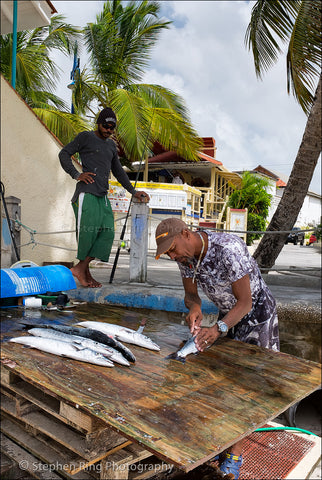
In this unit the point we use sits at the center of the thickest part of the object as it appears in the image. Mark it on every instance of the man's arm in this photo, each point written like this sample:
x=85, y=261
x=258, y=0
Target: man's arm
x=121, y=175
x=124, y=180
x=242, y=292
x=65, y=157
x=193, y=302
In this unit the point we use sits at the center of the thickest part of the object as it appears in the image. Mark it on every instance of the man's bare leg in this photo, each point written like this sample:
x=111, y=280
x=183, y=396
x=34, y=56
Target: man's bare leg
x=92, y=282
x=237, y=448
x=80, y=271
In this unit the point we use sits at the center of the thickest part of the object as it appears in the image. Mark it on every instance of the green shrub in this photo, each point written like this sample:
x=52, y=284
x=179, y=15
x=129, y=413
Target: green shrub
x=253, y=195
x=255, y=223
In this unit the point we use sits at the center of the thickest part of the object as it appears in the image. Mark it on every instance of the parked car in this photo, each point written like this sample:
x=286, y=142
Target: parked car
x=296, y=236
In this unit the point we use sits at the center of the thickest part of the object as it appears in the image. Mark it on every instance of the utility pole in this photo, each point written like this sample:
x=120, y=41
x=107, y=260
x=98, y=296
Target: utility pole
x=75, y=71
x=139, y=242
x=14, y=44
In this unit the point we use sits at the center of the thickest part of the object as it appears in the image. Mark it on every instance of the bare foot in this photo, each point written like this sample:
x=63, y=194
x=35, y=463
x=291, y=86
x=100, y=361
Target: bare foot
x=81, y=277
x=91, y=281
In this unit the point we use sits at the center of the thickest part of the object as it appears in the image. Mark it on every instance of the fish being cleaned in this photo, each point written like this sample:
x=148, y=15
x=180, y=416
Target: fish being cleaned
x=188, y=348
x=122, y=334
x=108, y=352
x=64, y=349
x=93, y=335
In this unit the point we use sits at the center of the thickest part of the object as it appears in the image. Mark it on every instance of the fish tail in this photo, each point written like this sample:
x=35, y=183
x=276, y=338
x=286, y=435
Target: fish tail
x=175, y=356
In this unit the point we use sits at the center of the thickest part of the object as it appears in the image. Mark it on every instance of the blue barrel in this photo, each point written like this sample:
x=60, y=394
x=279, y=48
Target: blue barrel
x=19, y=282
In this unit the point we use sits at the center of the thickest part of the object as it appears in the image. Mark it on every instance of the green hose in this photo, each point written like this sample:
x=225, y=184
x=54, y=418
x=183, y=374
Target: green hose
x=285, y=428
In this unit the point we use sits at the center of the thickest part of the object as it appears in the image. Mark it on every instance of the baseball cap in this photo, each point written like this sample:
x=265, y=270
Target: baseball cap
x=165, y=233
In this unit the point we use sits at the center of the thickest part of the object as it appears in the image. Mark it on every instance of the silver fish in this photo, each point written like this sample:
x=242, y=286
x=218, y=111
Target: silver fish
x=188, y=348
x=108, y=352
x=88, y=333
x=64, y=349
x=123, y=334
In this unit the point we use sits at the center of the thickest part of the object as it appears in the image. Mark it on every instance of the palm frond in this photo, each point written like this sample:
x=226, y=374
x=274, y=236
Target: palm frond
x=58, y=35
x=304, y=54
x=62, y=124
x=88, y=90
x=133, y=122
x=137, y=118
x=175, y=133
x=43, y=99
x=271, y=21
x=161, y=97
x=120, y=41
x=36, y=70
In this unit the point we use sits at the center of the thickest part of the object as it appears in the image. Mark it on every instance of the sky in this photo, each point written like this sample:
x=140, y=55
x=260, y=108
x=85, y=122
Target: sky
x=202, y=57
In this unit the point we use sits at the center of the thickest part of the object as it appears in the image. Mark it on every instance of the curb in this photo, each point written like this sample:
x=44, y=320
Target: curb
x=140, y=296
x=170, y=298
x=293, y=280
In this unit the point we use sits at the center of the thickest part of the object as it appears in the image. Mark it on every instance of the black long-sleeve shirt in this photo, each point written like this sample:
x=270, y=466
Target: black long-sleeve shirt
x=98, y=156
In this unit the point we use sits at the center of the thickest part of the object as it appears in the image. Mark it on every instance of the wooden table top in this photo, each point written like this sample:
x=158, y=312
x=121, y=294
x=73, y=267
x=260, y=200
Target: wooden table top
x=183, y=413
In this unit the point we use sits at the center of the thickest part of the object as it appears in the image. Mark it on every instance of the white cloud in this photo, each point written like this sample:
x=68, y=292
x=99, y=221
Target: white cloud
x=202, y=57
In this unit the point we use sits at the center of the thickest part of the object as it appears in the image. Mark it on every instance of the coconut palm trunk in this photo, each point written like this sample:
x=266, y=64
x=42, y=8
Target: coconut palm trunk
x=296, y=189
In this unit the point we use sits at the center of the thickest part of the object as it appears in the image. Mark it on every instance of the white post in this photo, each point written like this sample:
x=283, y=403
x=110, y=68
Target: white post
x=139, y=241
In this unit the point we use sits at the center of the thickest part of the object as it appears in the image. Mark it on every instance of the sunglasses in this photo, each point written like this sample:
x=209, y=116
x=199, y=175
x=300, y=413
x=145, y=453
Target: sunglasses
x=107, y=126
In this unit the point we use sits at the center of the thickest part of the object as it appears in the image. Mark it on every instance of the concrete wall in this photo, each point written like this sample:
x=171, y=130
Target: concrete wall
x=31, y=171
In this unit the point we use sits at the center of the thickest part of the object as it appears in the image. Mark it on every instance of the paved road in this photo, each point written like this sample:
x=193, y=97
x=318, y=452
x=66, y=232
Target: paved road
x=293, y=258
x=297, y=257
x=298, y=285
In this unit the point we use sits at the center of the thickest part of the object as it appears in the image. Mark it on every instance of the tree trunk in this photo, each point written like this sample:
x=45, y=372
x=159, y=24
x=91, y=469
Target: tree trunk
x=297, y=186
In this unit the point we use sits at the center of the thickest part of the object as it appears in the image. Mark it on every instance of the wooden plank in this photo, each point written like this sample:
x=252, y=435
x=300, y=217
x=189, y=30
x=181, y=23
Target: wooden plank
x=41, y=450
x=183, y=413
x=51, y=405
x=70, y=415
x=21, y=405
x=82, y=420
x=77, y=468
x=116, y=466
x=90, y=451
x=148, y=470
x=7, y=377
x=138, y=453
x=26, y=461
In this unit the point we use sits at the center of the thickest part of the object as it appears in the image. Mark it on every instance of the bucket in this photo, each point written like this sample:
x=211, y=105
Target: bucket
x=19, y=282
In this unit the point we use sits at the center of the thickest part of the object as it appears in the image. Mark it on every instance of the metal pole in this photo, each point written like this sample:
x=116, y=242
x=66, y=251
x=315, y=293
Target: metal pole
x=9, y=222
x=14, y=44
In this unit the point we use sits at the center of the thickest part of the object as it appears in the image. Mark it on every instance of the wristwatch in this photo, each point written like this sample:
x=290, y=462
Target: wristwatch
x=222, y=327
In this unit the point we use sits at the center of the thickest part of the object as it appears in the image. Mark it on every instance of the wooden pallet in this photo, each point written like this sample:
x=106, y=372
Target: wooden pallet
x=58, y=439
x=184, y=414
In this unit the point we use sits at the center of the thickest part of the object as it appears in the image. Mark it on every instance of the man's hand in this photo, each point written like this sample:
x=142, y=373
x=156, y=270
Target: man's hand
x=86, y=177
x=142, y=196
x=194, y=318
x=206, y=337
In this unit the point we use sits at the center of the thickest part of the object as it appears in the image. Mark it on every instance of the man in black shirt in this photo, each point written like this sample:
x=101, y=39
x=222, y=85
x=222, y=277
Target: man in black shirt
x=93, y=212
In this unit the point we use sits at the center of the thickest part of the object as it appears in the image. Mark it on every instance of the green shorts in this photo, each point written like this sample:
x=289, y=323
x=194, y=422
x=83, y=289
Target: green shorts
x=94, y=226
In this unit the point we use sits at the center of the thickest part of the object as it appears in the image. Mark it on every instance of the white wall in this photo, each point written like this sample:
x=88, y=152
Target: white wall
x=310, y=213
x=31, y=171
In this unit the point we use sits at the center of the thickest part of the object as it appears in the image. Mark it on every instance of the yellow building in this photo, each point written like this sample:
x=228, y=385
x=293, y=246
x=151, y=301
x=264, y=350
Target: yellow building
x=197, y=191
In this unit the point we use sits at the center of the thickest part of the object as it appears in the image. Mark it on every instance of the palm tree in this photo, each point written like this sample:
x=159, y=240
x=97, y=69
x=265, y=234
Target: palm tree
x=299, y=23
x=119, y=44
x=37, y=74
x=252, y=195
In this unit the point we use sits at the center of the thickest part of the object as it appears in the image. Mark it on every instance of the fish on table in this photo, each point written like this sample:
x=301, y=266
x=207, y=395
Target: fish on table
x=64, y=349
x=94, y=335
x=188, y=349
x=123, y=334
x=109, y=352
